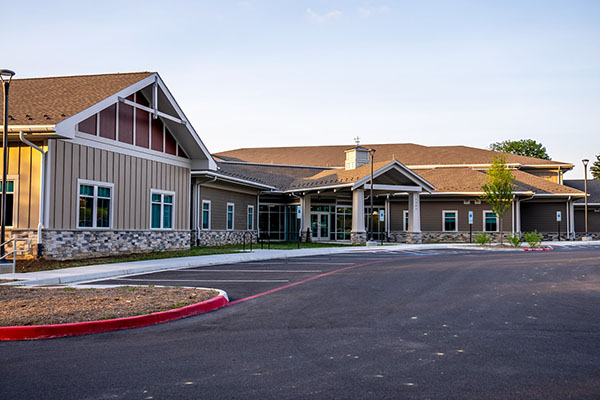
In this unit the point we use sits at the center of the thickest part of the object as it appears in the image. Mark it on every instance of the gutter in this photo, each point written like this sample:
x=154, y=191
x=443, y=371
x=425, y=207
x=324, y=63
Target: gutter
x=42, y=191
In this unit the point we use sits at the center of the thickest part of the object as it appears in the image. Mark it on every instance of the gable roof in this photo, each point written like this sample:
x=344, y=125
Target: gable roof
x=48, y=101
x=409, y=154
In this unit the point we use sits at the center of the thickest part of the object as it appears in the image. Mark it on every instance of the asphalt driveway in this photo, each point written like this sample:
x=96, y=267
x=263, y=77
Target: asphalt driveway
x=449, y=325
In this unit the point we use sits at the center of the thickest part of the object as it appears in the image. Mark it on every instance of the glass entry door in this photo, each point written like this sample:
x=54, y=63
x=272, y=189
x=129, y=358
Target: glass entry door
x=319, y=226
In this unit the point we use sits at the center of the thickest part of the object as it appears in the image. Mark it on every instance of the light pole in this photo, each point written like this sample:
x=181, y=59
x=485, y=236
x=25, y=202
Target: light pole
x=372, y=154
x=6, y=76
x=585, y=164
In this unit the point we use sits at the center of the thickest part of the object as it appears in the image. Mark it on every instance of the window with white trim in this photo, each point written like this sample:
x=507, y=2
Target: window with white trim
x=405, y=220
x=450, y=221
x=490, y=221
x=10, y=201
x=95, y=204
x=250, y=218
x=162, y=209
x=205, y=215
x=230, y=216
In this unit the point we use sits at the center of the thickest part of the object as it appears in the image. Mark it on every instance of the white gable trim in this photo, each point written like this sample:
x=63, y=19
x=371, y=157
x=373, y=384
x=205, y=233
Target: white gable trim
x=400, y=168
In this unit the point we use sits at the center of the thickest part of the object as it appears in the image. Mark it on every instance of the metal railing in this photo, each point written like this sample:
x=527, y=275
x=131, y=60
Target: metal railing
x=14, y=251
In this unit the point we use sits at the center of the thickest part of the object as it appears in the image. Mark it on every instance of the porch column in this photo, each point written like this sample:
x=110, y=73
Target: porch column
x=414, y=212
x=305, y=221
x=358, y=234
x=571, y=211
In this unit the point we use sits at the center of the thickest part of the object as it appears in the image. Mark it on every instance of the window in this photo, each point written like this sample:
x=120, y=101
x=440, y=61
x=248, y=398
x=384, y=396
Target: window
x=162, y=209
x=405, y=220
x=250, y=218
x=95, y=204
x=205, y=214
x=490, y=221
x=230, y=216
x=449, y=223
x=10, y=201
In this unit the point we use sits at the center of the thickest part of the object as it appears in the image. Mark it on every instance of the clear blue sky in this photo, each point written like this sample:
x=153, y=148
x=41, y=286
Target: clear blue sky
x=276, y=73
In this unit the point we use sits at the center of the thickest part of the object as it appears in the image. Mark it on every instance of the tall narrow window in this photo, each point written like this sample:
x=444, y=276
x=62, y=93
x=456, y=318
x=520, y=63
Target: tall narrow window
x=250, y=218
x=450, y=218
x=10, y=201
x=405, y=220
x=205, y=214
x=95, y=204
x=162, y=209
x=230, y=216
x=490, y=221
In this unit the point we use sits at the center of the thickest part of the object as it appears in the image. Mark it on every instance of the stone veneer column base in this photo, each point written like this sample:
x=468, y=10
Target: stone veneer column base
x=77, y=244
x=358, y=237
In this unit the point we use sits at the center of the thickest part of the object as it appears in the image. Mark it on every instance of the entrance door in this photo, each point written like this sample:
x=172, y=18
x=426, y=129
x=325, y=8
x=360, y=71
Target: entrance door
x=319, y=226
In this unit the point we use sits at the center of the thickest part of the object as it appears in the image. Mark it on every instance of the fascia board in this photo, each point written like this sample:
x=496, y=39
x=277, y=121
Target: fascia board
x=312, y=188
x=211, y=162
x=232, y=179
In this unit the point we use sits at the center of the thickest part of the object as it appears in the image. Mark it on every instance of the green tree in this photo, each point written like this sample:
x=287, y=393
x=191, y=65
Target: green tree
x=595, y=168
x=499, y=189
x=523, y=147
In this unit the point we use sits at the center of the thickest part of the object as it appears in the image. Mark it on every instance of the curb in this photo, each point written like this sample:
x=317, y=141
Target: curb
x=540, y=249
x=34, y=332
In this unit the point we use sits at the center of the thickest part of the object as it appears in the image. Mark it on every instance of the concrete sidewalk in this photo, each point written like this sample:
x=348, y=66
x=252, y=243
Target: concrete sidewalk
x=103, y=271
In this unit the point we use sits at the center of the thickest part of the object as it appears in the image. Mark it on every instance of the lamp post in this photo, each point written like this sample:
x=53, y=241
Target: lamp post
x=372, y=154
x=585, y=164
x=6, y=76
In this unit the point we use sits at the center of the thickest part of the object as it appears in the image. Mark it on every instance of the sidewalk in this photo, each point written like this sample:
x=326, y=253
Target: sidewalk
x=103, y=271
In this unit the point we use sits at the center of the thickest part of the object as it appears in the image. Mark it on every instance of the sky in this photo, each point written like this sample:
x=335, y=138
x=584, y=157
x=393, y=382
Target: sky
x=282, y=73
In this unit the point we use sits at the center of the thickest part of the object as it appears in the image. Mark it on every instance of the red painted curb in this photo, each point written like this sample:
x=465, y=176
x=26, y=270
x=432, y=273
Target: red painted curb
x=83, y=328
x=540, y=249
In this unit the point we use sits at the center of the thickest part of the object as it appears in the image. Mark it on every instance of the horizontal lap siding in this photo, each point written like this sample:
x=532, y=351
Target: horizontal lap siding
x=593, y=217
x=396, y=214
x=218, y=207
x=133, y=177
x=542, y=216
x=24, y=163
x=431, y=215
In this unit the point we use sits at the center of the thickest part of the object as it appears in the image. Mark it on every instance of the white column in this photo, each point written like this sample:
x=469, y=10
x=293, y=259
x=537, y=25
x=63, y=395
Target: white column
x=358, y=211
x=572, y=218
x=305, y=203
x=518, y=216
x=414, y=212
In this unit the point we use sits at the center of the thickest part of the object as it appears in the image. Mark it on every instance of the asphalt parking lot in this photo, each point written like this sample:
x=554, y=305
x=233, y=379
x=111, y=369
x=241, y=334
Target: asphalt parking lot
x=243, y=280
x=366, y=325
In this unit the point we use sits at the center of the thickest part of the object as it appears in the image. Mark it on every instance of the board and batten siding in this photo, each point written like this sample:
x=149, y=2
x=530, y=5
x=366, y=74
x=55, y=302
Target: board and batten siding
x=219, y=197
x=133, y=178
x=24, y=165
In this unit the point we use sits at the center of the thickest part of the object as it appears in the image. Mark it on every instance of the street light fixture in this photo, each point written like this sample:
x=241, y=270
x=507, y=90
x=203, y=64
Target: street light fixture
x=585, y=164
x=6, y=76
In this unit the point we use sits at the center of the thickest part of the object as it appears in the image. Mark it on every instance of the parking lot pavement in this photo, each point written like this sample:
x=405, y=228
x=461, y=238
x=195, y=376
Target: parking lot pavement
x=247, y=279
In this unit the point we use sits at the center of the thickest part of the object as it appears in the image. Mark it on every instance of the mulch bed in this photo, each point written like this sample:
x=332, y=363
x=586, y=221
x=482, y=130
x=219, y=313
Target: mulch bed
x=44, y=306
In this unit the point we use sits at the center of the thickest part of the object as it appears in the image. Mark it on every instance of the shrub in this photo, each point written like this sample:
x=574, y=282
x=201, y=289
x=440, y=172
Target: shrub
x=533, y=238
x=515, y=240
x=482, y=238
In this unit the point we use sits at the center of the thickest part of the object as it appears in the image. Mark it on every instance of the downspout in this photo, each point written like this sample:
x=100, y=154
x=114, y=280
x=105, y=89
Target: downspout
x=569, y=218
x=520, y=216
x=42, y=191
x=513, y=215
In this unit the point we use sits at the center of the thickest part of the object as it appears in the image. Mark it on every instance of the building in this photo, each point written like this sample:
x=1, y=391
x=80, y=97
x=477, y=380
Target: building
x=124, y=171
x=593, y=214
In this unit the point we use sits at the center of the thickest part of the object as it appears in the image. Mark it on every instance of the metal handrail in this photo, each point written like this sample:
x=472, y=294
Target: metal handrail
x=15, y=250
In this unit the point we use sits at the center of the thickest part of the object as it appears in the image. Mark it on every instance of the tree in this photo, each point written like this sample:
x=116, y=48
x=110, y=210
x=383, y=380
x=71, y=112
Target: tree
x=523, y=147
x=595, y=168
x=498, y=189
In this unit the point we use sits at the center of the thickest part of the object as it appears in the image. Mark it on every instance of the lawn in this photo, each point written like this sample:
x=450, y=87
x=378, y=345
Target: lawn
x=44, y=264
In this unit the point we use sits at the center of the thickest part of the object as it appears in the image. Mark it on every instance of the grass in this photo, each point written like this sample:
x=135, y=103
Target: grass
x=45, y=265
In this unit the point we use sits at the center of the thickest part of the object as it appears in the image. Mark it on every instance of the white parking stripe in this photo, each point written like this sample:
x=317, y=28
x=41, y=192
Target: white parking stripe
x=252, y=270
x=207, y=280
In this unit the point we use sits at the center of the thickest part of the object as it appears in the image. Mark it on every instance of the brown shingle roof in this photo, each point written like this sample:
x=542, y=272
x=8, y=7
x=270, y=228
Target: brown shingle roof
x=47, y=101
x=470, y=180
x=408, y=154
